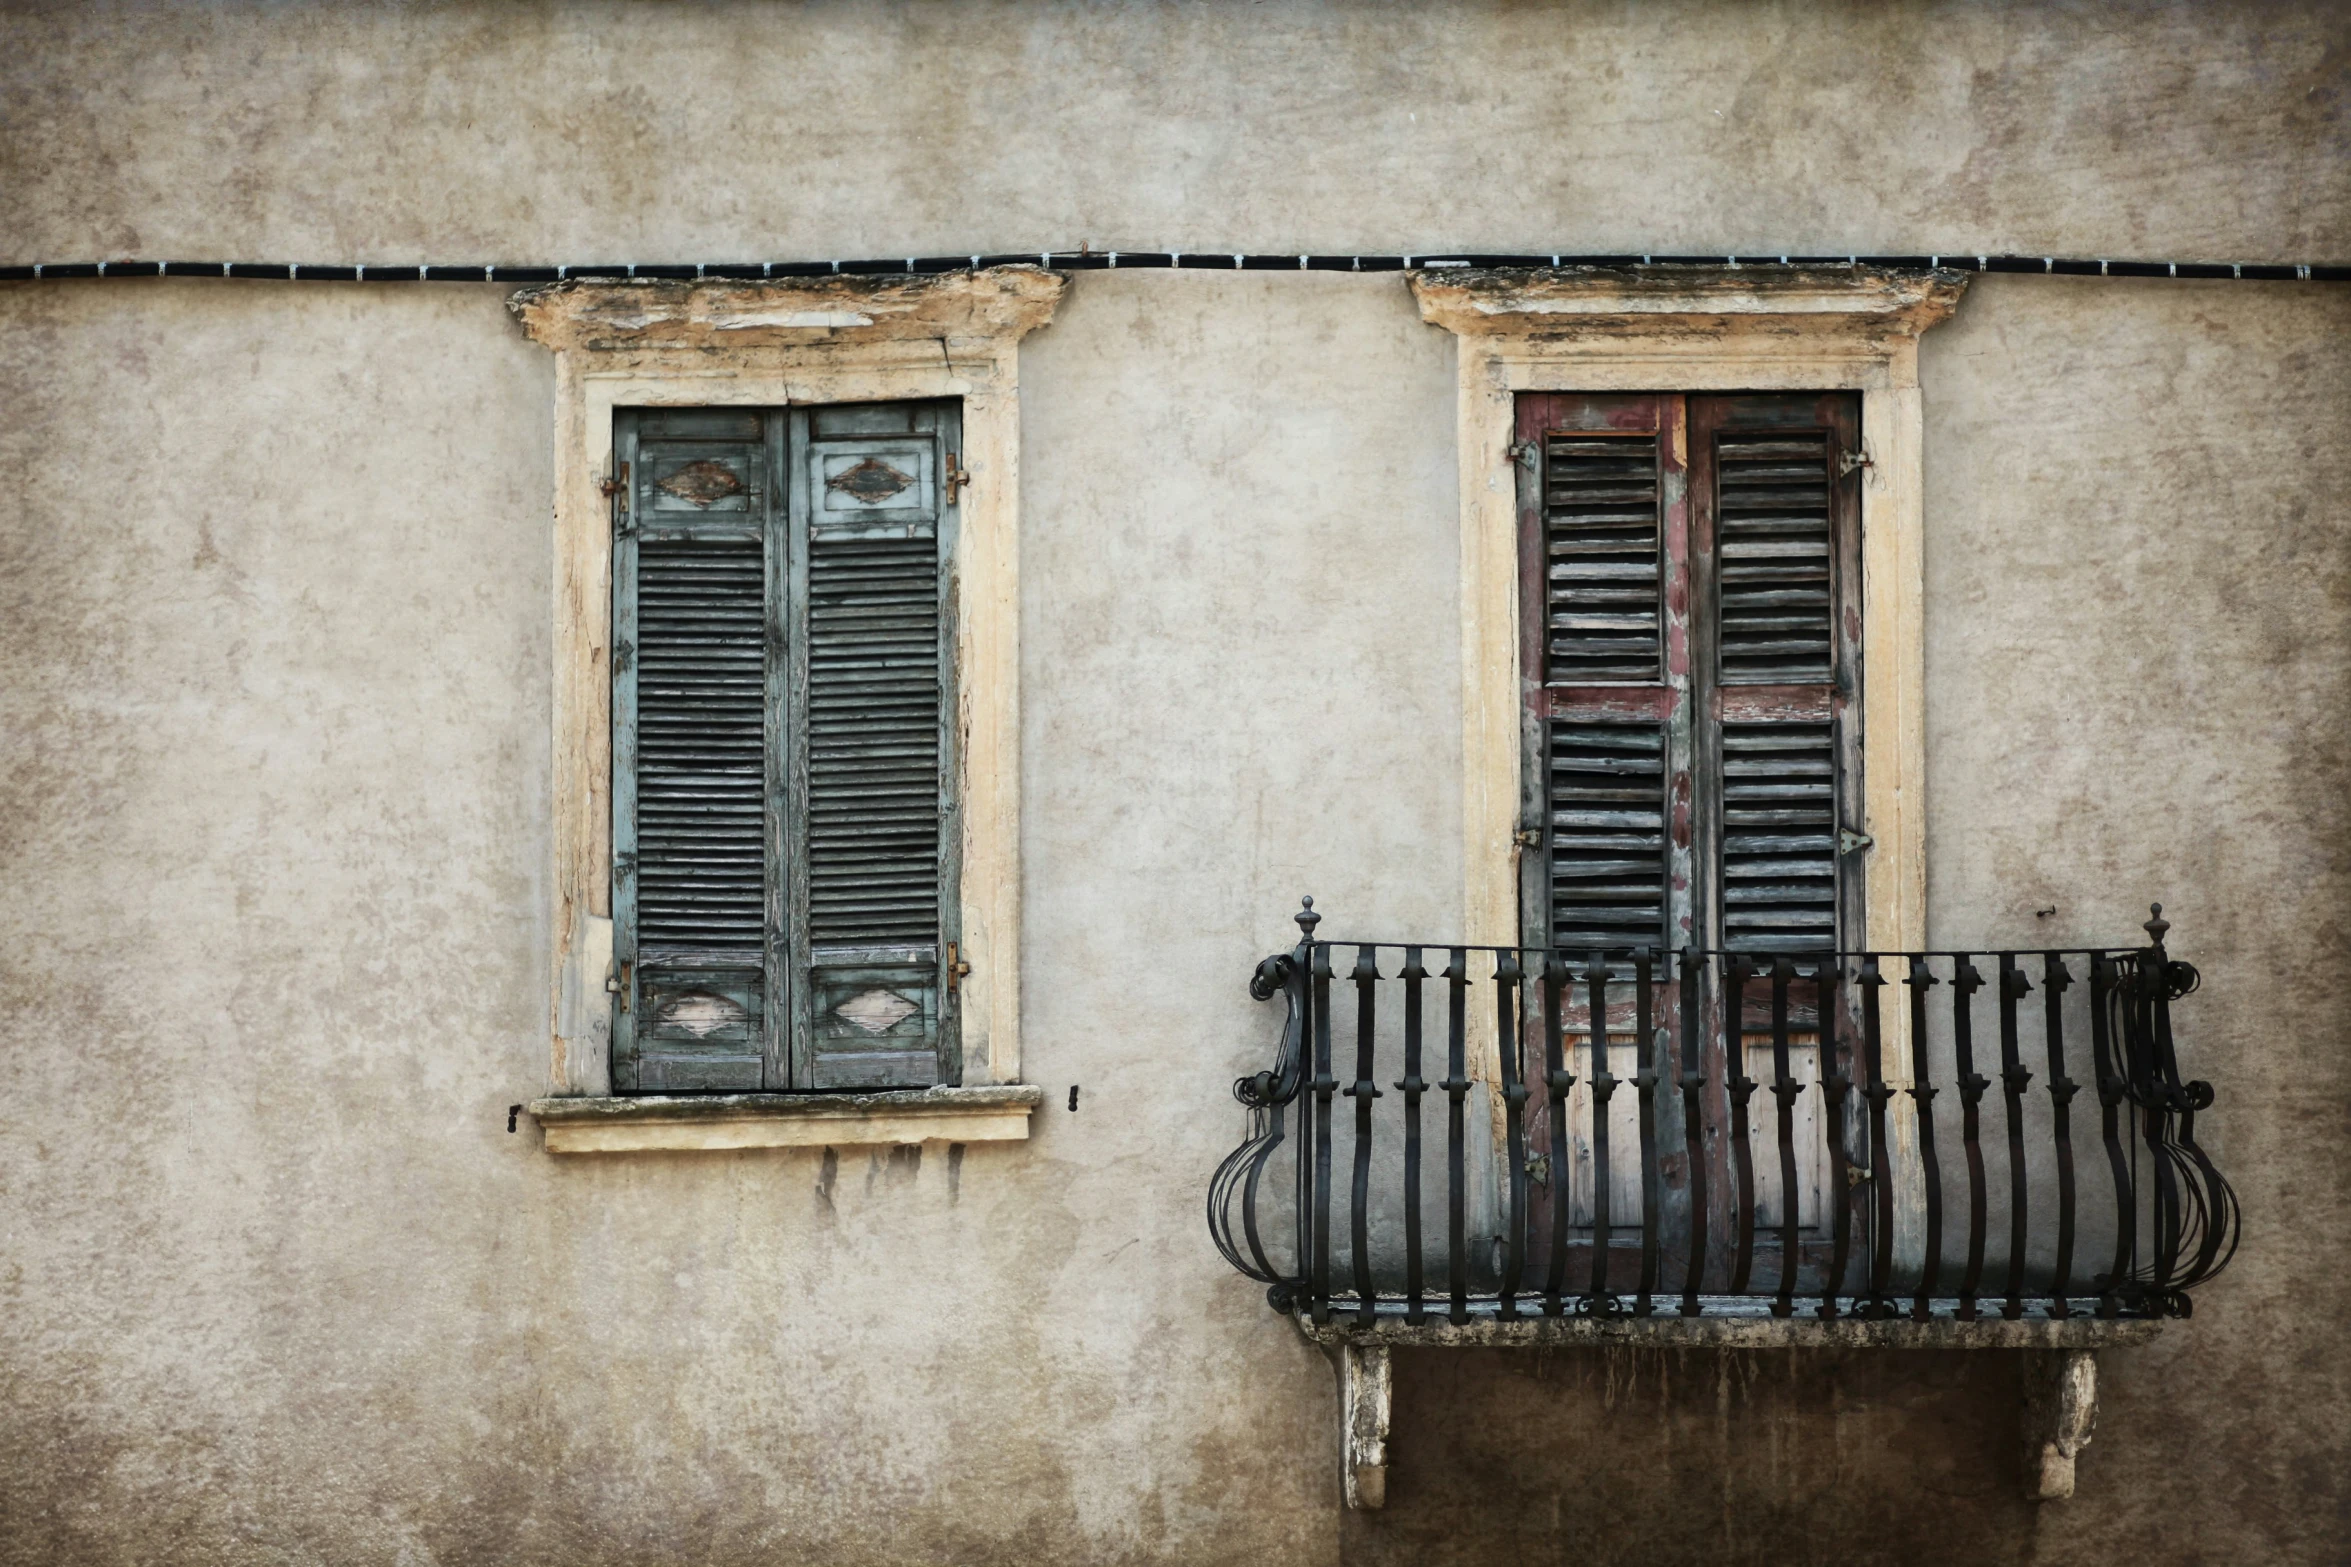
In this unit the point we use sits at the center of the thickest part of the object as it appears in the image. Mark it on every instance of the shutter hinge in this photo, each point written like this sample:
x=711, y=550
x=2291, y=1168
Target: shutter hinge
x=956, y=969
x=1525, y=452
x=614, y=486
x=1848, y=840
x=618, y=984
x=957, y=480
x=1528, y=837
x=1850, y=462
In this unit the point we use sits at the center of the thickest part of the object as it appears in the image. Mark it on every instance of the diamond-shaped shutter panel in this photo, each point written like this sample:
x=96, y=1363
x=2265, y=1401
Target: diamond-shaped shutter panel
x=1607, y=837
x=1773, y=521
x=1779, y=836
x=1600, y=523
x=701, y=783
x=873, y=742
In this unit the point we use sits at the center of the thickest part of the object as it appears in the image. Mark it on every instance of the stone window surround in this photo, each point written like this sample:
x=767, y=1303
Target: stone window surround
x=1692, y=329
x=652, y=343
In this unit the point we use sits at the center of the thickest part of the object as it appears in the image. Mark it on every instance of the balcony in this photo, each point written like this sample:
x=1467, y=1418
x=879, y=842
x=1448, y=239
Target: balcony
x=1740, y=1148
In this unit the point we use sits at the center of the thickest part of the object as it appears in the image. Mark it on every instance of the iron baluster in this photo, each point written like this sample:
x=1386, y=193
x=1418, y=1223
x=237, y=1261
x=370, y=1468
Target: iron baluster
x=1597, y=976
x=1965, y=982
x=2055, y=979
x=1363, y=1091
x=1922, y=1096
x=1784, y=1088
x=2113, y=1090
x=1302, y=1205
x=1267, y=1096
x=1693, y=1128
x=2014, y=1079
x=2215, y=1213
x=1742, y=1087
x=1876, y=1094
x=2162, y=1093
x=1557, y=1080
x=1456, y=1086
x=1319, y=1296
x=1645, y=1084
x=1412, y=1087
x=1514, y=1099
x=1834, y=1085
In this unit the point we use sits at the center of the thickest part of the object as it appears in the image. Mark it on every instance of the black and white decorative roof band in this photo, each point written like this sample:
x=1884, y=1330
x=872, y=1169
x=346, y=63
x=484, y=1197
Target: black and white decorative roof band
x=1089, y=260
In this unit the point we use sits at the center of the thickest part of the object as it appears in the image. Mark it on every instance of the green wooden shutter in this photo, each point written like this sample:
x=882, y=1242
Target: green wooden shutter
x=872, y=789
x=784, y=760
x=692, y=669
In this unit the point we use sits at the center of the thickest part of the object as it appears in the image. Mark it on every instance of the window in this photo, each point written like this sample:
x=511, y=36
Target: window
x=1703, y=727
x=784, y=931
x=783, y=757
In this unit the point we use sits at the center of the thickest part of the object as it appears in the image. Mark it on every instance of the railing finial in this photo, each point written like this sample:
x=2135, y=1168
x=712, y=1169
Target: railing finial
x=1307, y=919
x=2156, y=926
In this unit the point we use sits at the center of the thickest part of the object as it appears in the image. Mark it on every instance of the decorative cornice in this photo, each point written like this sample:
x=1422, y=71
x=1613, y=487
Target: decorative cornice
x=1868, y=302
x=997, y=304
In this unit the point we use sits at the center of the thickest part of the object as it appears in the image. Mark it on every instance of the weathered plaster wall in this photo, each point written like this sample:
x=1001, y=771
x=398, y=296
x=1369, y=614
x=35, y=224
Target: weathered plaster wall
x=277, y=1287
x=593, y=132
x=282, y=1288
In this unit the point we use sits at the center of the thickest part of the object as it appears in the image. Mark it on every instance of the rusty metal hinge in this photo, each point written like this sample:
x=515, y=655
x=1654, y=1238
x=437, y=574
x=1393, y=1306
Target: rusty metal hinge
x=1525, y=452
x=1848, y=840
x=619, y=984
x=1851, y=462
x=956, y=969
x=614, y=486
x=1528, y=837
x=957, y=480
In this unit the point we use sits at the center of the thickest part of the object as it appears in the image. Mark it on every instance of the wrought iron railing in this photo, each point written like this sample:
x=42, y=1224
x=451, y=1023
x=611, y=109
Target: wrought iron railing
x=1598, y=1146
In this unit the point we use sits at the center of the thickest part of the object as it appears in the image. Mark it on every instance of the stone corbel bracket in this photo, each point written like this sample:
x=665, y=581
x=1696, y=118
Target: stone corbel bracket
x=1366, y=1402
x=2060, y=1410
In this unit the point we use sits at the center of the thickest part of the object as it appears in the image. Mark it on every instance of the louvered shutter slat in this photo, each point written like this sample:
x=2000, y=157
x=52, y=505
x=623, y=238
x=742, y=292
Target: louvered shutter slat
x=1772, y=523
x=873, y=742
x=1601, y=537
x=1607, y=798
x=701, y=756
x=1779, y=836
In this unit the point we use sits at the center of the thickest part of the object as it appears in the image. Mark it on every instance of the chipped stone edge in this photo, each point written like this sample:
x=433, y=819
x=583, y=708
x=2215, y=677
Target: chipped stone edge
x=997, y=304
x=1875, y=300
x=711, y=1122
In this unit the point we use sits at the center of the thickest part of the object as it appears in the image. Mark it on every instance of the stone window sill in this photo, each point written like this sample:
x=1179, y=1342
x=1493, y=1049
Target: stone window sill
x=705, y=1122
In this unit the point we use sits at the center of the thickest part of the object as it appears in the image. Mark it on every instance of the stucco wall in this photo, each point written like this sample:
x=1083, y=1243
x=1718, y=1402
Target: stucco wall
x=274, y=645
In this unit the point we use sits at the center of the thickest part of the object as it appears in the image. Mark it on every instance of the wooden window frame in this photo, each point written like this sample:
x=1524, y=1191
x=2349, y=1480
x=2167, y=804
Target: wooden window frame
x=774, y=344
x=1675, y=329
